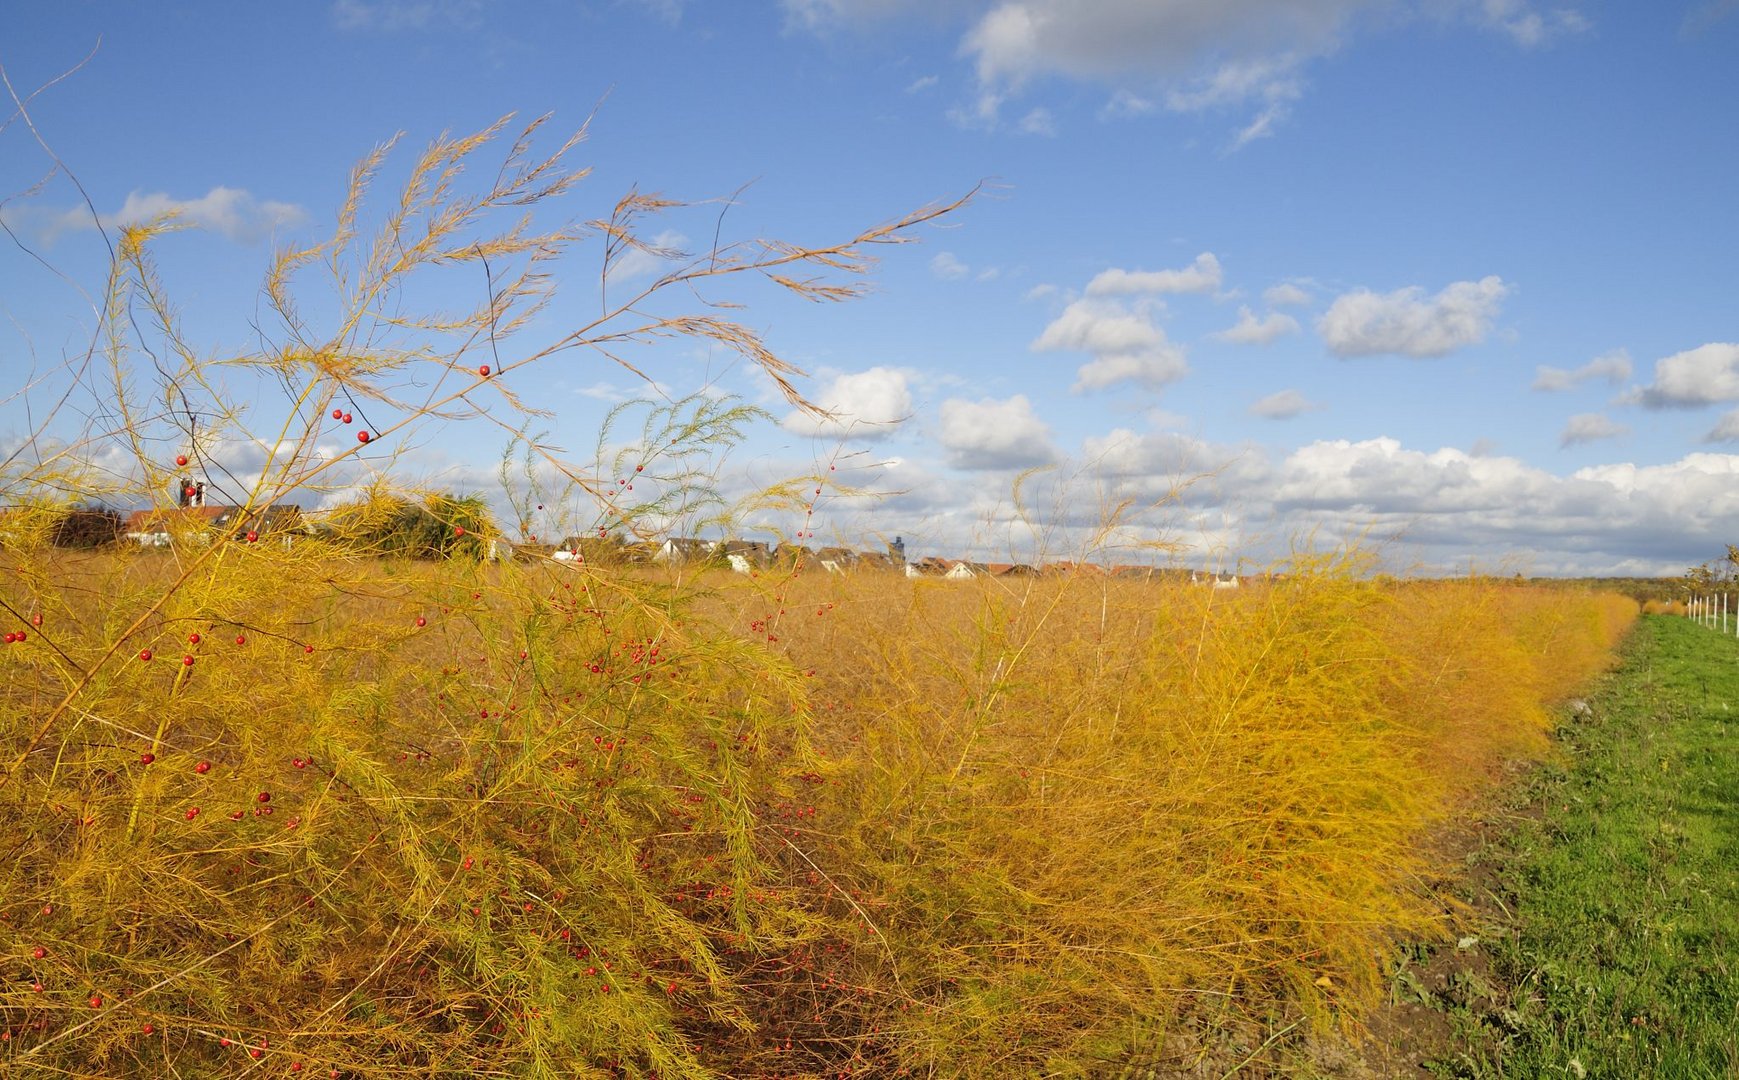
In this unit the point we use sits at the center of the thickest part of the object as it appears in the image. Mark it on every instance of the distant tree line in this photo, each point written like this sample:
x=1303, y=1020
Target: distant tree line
x=440, y=526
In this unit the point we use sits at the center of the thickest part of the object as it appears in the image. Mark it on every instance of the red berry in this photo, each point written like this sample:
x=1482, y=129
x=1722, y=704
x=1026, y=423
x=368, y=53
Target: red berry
x=458, y=530
x=11, y=637
x=189, y=492
x=252, y=536
x=307, y=648
x=256, y=1053
x=241, y=639
x=639, y=468
x=264, y=796
x=147, y=758
x=147, y=1029
x=347, y=418
x=362, y=436
x=422, y=621
x=337, y=414
x=202, y=768
x=36, y=987
x=187, y=661
x=192, y=812
x=295, y=1066
x=180, y=459
x=144, y=654
x=193, y=639
x=38, y=953
x=224, y=1042
x=484, y=371
x=96, y=1001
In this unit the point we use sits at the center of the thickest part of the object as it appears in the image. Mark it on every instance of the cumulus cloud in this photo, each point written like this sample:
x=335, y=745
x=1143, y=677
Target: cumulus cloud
x=992, y=434
x=1725, y=431
x=1702, y=376
x=947, y=267
x=862, y=405
x=1250, y=330
x=1125, y=345
x=1614, y=367
x=1590, y=427
x=1406, y=322
x=1526, y=25
x=232, y=212
x=1285, y=294
x=1283, y=405
x=1201, y=276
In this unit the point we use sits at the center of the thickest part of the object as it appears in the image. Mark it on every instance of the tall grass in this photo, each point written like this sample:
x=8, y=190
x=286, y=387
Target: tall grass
x=311, y=807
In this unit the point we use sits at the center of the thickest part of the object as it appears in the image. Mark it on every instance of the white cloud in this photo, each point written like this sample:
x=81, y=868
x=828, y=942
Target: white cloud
x=1528, y=26
x=1701, y=376
x=1727, y=430
x=947, y=267
x=1614, y=367
x=1213, y=54
x=1285, y=294
x=992, y=434
x=1038, y=121
x=1201, y=276
x=660, y=251
x=922, y=83
x=1126, y=104
x=1250, y=330
x=1040, y=292
x=1124, y=343
x=232, y=212
x=864, y=405
x=1283, y=405
x=1590, y=427
x=1408, y=323
x=1017, y=40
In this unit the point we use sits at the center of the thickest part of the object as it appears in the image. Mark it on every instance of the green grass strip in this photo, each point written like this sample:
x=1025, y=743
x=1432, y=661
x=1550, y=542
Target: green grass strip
x=1626, y=887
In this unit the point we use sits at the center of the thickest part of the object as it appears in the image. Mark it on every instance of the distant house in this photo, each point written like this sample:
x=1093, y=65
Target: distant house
x=155, y=528
x=837, y=560
x=876, y=560
x=746, y=556
x=961, y=571
x=683, y=549
x=1066, y=568
x=1230, y=581
x=1001, y=569
x=590, y=550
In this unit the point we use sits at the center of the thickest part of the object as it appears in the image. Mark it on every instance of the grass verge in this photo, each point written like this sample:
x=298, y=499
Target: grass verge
x=1610, y=944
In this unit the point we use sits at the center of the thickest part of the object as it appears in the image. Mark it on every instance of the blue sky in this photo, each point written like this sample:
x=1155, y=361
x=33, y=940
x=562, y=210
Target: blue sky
x=1460, y=275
